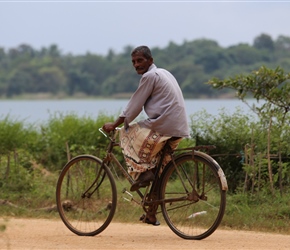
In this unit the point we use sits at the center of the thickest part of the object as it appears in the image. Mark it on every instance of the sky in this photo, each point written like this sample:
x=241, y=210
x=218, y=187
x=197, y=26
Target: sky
x=79, y=27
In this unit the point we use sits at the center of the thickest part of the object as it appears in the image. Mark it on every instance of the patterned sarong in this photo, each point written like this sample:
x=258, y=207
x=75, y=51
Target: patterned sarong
x=141, y=148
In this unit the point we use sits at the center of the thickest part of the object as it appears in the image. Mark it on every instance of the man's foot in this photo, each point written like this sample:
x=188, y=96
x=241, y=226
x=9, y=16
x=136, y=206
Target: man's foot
x=143, y=180
x=150, y=220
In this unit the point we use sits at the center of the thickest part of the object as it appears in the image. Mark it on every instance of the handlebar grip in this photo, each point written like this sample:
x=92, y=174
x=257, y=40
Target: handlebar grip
x=103, y=132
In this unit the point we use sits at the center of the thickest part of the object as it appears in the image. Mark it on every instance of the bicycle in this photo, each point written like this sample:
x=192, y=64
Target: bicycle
x=190, y=192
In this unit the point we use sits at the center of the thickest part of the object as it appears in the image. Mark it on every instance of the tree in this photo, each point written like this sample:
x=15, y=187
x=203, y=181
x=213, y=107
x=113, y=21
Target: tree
x=283, y=43
x=51, y=79
x=193, y=63
x=244, y=54
x=264, y=41
x=19, y=83
x=272, y=86
x=81, y=82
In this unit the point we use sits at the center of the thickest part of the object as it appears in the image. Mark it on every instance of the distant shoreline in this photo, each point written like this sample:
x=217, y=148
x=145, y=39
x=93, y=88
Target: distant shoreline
x=121, y=96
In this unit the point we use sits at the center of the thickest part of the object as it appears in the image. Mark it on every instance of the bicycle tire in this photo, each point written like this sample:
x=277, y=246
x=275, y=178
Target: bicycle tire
x=199, y=214
x=86, y=195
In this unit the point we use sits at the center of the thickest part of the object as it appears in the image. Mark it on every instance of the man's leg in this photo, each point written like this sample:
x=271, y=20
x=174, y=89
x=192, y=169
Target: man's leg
x=140, y=147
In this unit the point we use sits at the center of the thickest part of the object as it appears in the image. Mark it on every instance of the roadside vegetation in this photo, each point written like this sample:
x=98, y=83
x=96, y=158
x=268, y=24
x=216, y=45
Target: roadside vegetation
x=253, y=150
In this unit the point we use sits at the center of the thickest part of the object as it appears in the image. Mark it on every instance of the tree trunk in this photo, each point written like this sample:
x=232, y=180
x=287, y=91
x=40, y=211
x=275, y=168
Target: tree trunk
x=246, y=163
x=269, y=157
x=7, y=173
x=259, y=172
x=252, y=164
x=280, y=173
x=67, y=151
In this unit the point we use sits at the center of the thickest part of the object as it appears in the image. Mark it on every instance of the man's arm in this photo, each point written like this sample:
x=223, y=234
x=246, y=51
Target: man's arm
x=110, y=126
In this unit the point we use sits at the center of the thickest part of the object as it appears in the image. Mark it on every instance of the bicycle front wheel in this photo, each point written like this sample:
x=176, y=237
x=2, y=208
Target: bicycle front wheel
x=194, y=194
x=86, y=195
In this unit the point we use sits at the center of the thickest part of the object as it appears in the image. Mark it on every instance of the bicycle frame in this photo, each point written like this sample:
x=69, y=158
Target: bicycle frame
x=111, y=157
x=154, y=186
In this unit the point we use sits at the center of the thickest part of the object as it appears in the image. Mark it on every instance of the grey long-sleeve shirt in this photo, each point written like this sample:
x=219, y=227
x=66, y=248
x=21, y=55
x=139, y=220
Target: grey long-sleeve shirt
x=161, y=97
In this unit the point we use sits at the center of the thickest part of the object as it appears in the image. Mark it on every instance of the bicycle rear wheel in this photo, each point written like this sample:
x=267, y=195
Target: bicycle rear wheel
x=86, y=195
x=195, y=195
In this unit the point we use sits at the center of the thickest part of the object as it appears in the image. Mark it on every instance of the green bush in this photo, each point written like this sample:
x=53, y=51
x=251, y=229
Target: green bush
x=241, y=148
x=13, y=135
x=229, y=133
x=66, y=136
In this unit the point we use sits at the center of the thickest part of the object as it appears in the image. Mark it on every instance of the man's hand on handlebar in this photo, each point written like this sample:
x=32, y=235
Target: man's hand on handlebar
x=108, y=127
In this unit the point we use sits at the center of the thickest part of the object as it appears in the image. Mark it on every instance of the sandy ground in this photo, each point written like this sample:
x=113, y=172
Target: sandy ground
x=52, y=234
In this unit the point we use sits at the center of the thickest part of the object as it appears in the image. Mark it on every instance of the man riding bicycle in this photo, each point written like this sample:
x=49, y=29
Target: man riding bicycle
x=161, y=97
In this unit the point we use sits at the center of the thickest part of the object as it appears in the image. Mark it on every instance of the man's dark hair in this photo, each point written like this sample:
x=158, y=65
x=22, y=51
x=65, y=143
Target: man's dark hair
x=144, y=50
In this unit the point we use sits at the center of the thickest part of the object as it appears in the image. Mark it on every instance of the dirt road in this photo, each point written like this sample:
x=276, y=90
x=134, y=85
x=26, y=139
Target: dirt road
x=52, y=234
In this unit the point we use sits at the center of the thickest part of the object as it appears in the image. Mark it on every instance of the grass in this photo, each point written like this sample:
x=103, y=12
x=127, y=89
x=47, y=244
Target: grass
x=243, y=212
x=270, y=214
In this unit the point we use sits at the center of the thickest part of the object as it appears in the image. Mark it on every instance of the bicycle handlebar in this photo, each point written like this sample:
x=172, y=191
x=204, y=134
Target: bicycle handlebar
x=103, y=132
x=111, y=137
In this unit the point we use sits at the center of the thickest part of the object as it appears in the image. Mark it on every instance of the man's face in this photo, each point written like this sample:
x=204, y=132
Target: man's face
x=140, y=63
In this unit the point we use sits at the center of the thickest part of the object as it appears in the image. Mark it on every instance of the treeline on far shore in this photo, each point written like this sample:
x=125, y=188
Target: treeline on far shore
x=46, y=72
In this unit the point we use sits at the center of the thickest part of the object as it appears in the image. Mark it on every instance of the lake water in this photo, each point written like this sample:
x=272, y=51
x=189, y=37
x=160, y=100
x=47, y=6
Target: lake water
x=39, y=111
